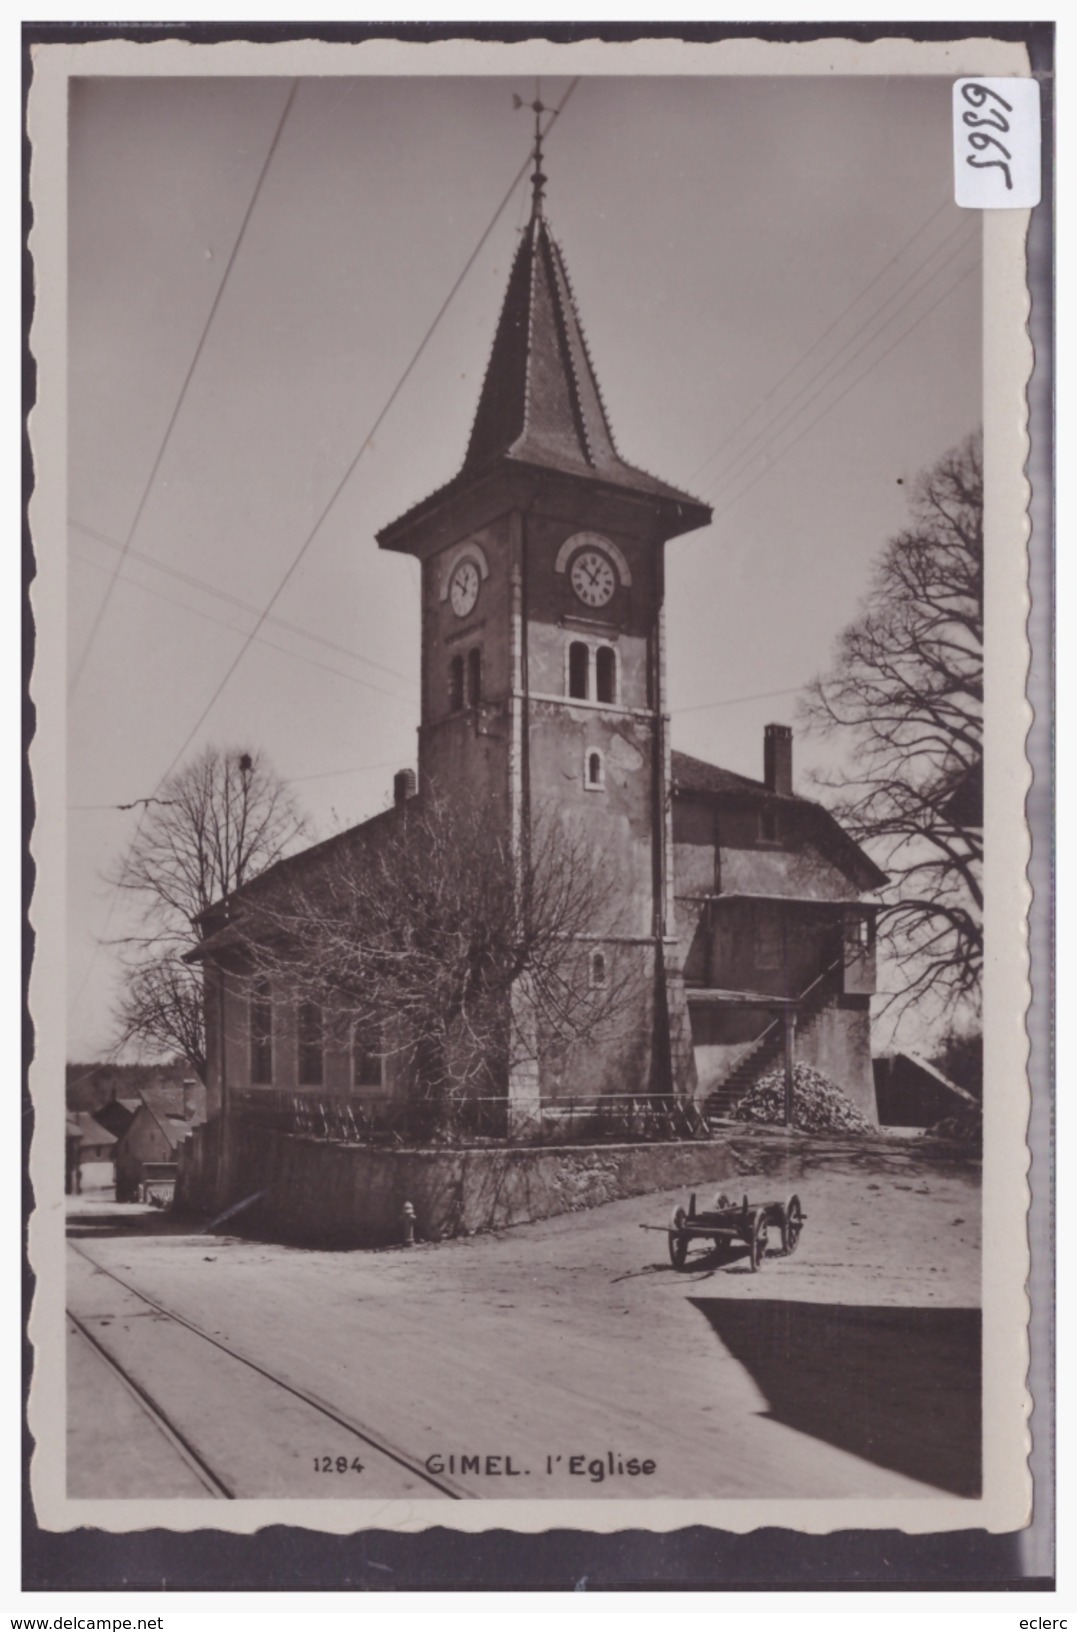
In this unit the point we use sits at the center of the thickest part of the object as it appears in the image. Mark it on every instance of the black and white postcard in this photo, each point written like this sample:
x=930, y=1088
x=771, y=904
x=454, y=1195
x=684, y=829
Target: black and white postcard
x=531, y=550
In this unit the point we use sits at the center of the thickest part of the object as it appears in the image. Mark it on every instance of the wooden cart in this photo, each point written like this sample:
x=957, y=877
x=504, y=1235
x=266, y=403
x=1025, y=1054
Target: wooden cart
x=748, y=1221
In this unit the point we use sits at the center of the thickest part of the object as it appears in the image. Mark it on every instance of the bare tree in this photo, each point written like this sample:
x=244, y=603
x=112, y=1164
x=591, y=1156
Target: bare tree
x=428, y=937
x=215, y=824
x=905, y=694
x=161, y=1007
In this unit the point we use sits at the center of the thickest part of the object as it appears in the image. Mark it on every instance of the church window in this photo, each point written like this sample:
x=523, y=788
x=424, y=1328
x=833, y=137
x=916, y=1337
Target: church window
x=310, y=1045
x=474, y=677
x=456, y=685
x=606, y=674
x=599, y=972
x=261, y=1033
x=366, y=1062
x=579, y=666
x=594, y=772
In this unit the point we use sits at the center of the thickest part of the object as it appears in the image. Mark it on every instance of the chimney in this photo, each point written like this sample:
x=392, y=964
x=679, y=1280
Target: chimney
x=778, y=758
x=403, y=788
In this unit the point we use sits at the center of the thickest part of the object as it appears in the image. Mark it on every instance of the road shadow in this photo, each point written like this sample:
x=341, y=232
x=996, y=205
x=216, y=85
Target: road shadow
x=731, y=1257
x=898, y=1387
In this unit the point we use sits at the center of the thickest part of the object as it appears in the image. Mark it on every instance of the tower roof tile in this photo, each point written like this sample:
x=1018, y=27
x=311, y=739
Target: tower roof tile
x=541, y=406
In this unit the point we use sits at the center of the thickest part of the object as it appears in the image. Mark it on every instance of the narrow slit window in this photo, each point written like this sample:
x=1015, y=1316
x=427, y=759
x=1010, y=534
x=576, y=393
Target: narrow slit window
x=261, y=1033
x=456, y=685
x=593, y=770
x=311, y=1040
x=599, y=972
x=768, y=824
x=606, y=674
x=579, y=662
x=474, y=677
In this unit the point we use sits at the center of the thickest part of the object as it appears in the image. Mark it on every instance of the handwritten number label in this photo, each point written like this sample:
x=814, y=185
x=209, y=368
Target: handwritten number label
x=996, y=143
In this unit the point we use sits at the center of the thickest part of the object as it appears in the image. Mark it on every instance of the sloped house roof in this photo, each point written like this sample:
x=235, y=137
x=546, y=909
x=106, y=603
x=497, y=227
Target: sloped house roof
x=90, y=1132
x=116, y=1114
x=185, y=1102
x=219, y=922
x=691, y=777
x=170, y=1108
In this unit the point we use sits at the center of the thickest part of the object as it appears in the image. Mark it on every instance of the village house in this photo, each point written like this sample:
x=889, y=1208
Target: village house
x=775, y=935
x=146, y=1151
x=543, y=681
x=117, y=1113
x=90, y=1153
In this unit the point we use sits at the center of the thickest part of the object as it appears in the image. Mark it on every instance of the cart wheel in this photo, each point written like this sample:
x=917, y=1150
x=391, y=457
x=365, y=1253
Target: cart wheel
x=758, y=1243
x=678, y=1240
x=792, y=1224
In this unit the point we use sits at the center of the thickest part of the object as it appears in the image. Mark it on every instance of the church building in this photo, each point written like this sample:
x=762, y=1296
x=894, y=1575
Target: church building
x=543, y=683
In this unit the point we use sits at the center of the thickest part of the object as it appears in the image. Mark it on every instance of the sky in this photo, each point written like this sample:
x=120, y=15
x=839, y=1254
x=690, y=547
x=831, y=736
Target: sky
x=782, y=304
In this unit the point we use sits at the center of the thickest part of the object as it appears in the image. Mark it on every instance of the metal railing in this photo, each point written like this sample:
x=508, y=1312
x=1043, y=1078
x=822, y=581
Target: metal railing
x=822, y=987
x=475, y=1119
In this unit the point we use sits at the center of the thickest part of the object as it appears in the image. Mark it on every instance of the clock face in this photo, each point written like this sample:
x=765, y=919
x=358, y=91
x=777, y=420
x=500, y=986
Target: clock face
x=464, y=589
x=592, y=578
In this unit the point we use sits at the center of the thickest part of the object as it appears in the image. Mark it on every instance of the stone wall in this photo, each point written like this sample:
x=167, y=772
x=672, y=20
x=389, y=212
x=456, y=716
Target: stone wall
x=313, y=1192
x=318, y=1194
x=838, y=1043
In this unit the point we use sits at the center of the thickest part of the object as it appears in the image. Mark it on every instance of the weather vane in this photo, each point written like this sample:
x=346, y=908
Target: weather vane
x=538, y=180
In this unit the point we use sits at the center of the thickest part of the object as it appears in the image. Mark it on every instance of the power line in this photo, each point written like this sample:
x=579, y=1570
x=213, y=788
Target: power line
x=103, y=608
x=789, y=412
x=275, y=646
x=364, y=444
x=727, y=702
x=308, y=776
x=264, y=614
x=344, y=770
x=817, y=342
x=787, y=409
x=736, y=497
x=230, y=599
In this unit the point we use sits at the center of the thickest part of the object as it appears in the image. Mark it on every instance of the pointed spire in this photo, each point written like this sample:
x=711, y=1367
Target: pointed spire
x=538, y=180
x=541, y=405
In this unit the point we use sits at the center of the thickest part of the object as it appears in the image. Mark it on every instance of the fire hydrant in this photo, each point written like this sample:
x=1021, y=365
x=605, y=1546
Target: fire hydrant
x=409, y=1224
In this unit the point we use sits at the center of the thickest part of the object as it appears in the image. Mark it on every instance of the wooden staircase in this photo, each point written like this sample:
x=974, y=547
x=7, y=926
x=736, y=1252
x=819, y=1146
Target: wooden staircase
x=765, y=1052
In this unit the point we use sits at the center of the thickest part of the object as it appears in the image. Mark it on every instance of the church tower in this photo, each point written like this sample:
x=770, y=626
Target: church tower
x=543, y=663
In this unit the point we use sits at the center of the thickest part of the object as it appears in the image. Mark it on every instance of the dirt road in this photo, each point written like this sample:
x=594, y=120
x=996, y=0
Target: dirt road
x=560, y=1358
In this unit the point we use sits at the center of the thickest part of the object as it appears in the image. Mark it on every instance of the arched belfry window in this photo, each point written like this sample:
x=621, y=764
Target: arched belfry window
x=579, y=667
x=474, y=677
x=456, y=685
x=606, y=674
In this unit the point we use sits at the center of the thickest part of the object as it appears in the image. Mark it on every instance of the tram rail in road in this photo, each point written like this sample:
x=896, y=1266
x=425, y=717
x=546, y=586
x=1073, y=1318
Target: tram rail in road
x=200, y=1392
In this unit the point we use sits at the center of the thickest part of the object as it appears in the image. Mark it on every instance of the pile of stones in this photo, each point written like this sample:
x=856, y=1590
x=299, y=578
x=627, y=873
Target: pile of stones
x=819, y=1106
